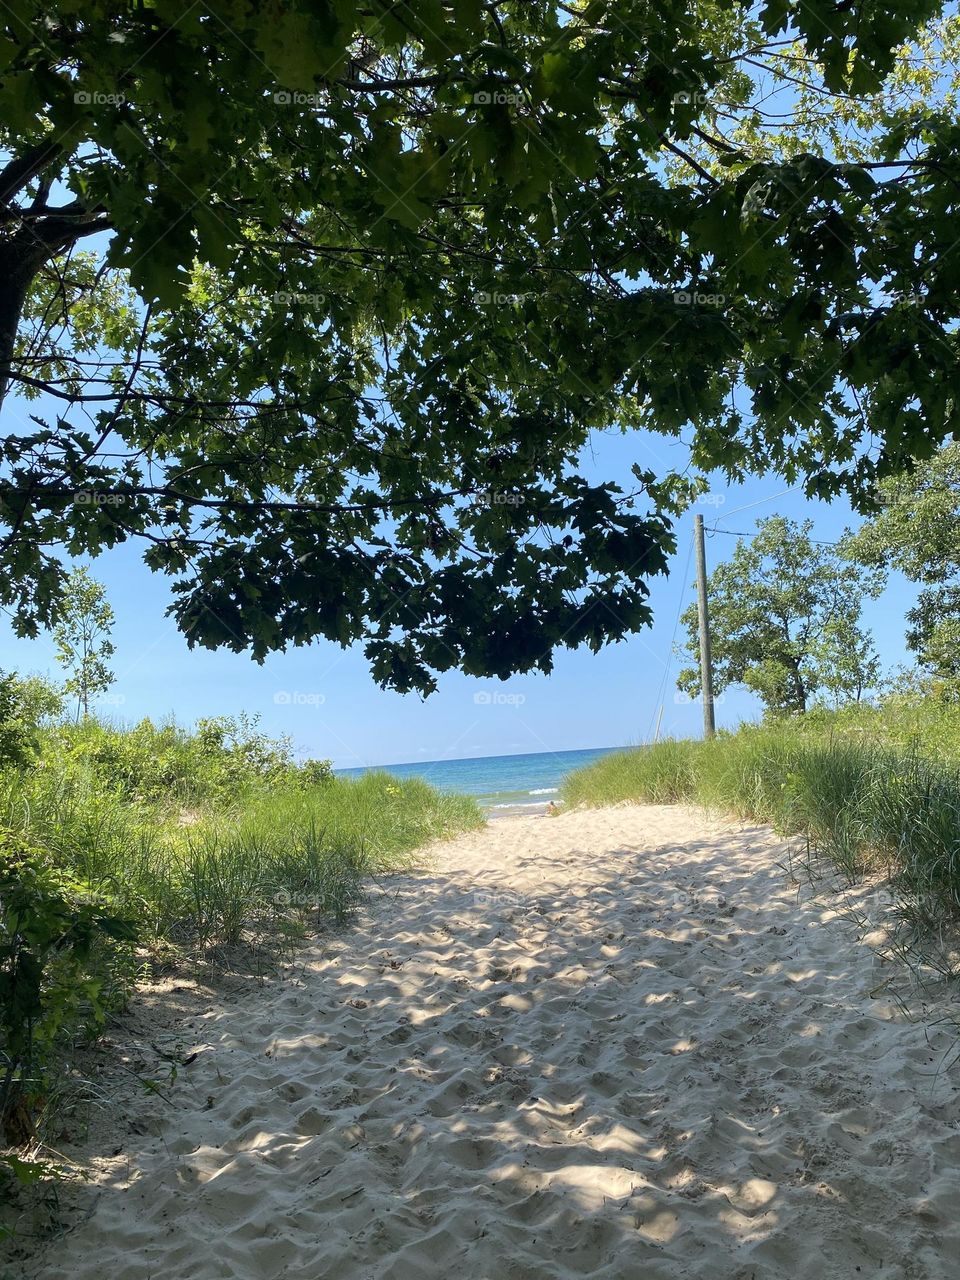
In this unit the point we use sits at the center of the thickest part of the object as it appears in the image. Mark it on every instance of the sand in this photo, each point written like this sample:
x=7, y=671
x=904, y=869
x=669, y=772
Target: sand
x=615, y=1044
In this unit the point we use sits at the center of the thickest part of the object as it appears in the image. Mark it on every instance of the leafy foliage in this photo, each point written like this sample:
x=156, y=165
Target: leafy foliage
x=14, y=734
x=199, y=860
x=50, y=927
x=369, y=277
x=222, y=759
x=784, y=621
x=24, y=705
x=917, y=531
x=82, y=636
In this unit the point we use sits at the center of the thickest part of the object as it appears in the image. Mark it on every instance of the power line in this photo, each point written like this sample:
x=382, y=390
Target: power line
x=734, y=534
x=760, y=501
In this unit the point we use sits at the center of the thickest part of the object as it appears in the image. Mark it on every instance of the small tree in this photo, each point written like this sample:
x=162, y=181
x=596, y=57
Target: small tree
x=82, y=637
x=785, y=621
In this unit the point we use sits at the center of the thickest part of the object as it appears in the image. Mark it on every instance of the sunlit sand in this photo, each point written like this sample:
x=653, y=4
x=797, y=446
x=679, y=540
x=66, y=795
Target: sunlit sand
x=618, y=1043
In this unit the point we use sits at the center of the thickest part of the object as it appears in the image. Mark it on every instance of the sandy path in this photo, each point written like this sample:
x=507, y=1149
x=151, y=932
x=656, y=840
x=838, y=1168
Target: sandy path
x=609, y=1044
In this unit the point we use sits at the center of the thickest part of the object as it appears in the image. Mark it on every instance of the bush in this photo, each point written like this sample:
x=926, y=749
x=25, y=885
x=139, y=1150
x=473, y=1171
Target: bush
x=202, y=877
x=218, y=762
x=24, y=705
x=57, y=937
x=313, y=773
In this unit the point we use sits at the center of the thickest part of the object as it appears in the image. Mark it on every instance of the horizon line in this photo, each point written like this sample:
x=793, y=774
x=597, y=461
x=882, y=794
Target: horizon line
x=494, y=755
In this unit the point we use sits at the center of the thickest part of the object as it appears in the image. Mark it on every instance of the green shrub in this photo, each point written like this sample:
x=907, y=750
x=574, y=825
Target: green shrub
x=313, y=773
x=204, y=876
x=56, y=940
x=219, y=761
x=24, y=705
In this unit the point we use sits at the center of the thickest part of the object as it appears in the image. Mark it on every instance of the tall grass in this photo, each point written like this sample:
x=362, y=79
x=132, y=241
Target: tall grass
x=272, y=848
x=114, y=842
x=875, y=801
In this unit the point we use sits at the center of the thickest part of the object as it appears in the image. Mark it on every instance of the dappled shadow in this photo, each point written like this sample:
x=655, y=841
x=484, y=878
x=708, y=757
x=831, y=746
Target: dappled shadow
x=580, y=1049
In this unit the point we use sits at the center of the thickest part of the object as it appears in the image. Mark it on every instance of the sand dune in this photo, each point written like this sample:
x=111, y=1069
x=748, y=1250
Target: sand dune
x=610, y=1044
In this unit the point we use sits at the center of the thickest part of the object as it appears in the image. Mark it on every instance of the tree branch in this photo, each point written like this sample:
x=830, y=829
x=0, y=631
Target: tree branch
x=22, y=169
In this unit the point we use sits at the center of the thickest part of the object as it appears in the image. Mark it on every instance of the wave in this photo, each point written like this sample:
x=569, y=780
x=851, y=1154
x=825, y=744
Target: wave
x=518, y=804
x=544, y=791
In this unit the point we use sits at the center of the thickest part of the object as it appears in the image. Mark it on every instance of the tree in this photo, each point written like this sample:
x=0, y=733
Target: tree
x=82, y=637
x=25, y=703
x=784, y=620
x=321, y=302
x=917, y=531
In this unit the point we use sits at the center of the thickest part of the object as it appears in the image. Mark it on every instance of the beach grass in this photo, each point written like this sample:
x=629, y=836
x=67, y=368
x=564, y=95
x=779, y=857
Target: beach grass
x=123, y=849
x=875, y=790
x=199, y=874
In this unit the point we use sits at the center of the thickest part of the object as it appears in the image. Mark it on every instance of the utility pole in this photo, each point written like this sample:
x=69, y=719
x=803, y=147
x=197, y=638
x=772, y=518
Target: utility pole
x=706, y=667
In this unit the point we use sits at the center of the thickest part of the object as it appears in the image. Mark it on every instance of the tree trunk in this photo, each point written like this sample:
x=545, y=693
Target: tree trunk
x=41, y=237
x=18, y=266
x=799, y=690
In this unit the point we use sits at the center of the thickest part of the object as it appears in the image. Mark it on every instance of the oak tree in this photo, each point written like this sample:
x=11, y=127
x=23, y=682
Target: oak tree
x=321, y=302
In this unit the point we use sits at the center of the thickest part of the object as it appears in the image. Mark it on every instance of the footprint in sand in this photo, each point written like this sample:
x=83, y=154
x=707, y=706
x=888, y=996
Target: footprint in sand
x=610, y=1090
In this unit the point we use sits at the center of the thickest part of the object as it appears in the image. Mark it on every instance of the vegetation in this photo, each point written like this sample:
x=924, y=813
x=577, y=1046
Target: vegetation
x=785, y=621
x=15, y=728
x=453, y=239
x=81, y=634
x=340, y=384
x=165, y=838
x=51, y=973
x=872, y=788
x=918, y=532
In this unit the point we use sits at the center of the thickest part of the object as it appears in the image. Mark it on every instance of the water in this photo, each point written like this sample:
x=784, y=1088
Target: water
x=502, y=784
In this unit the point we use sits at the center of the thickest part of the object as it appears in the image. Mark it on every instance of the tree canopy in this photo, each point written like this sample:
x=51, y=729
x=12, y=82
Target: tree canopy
x=321, y=302
x=785, y=621
x=918, y=532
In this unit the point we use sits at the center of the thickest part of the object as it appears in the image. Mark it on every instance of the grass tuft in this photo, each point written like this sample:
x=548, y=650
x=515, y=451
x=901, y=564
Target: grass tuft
x=872, y=791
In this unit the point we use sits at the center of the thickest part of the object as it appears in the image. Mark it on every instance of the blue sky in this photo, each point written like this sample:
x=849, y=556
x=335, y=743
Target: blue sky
x=326, y=700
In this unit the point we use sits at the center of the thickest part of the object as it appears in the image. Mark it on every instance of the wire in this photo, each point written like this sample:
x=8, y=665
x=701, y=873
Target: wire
x=734, y=534
x=760, y=501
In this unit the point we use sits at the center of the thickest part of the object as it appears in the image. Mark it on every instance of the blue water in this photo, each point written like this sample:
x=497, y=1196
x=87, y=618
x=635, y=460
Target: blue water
x=501, y=784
